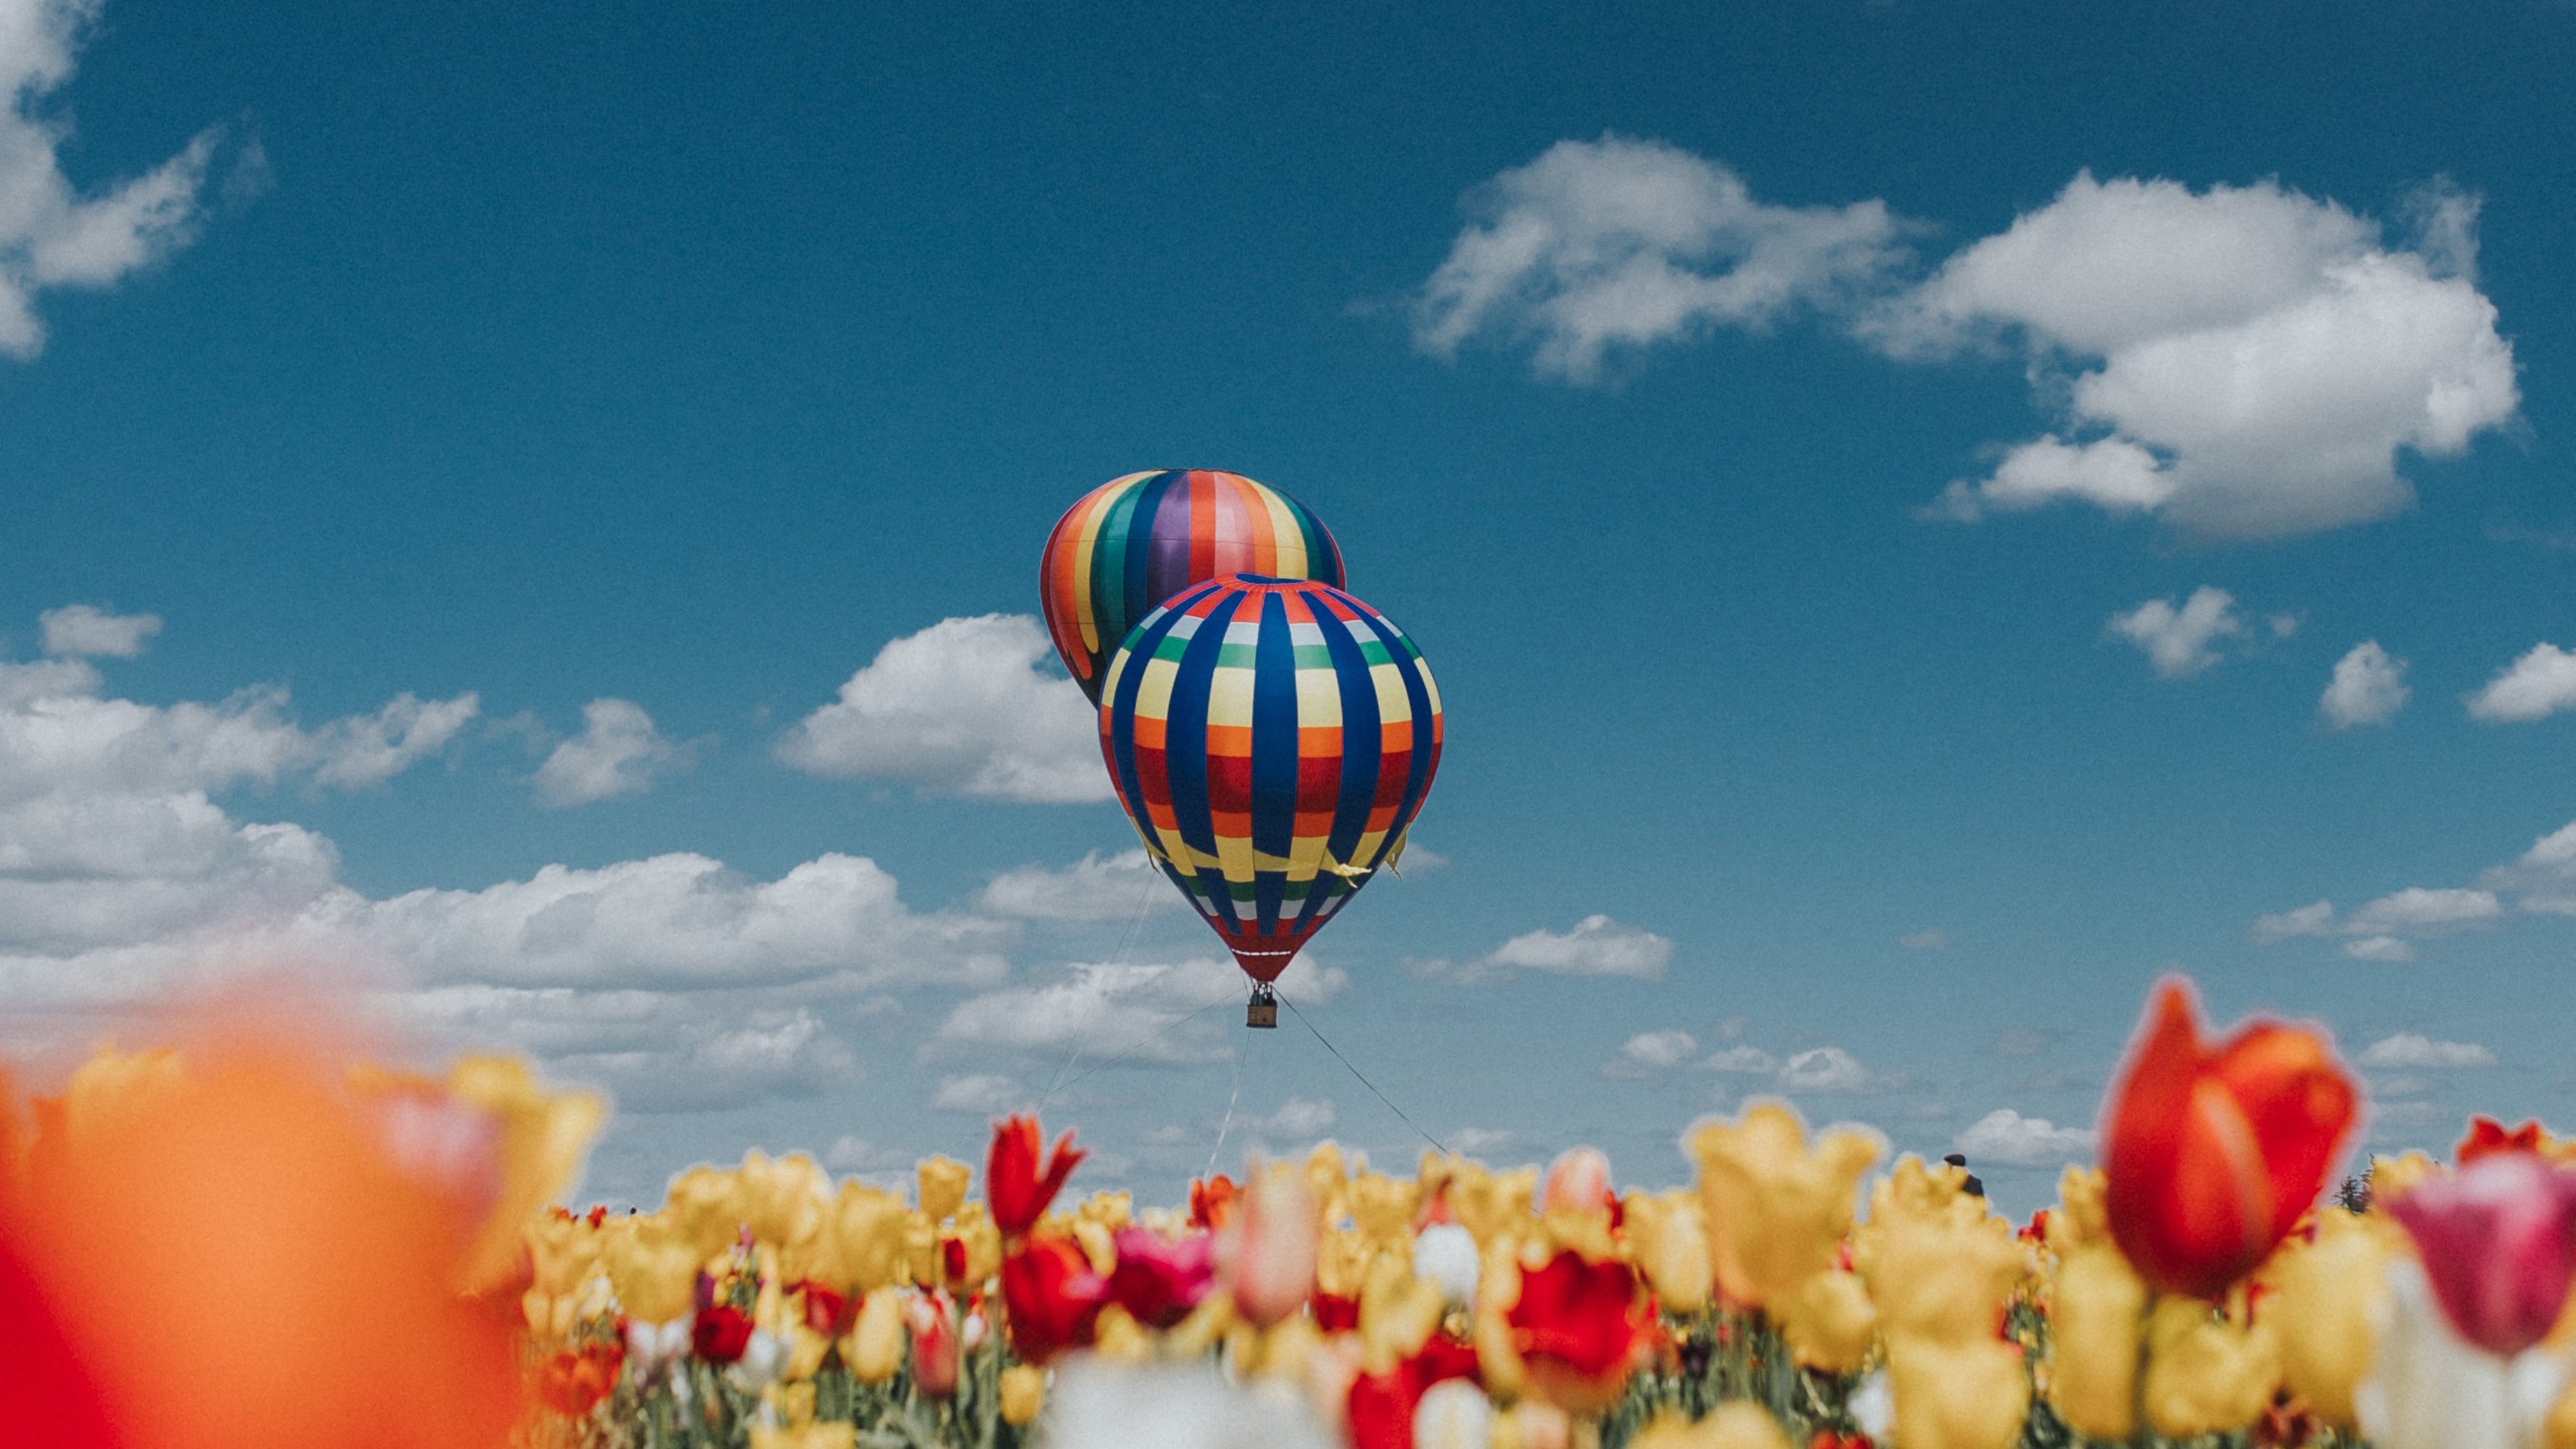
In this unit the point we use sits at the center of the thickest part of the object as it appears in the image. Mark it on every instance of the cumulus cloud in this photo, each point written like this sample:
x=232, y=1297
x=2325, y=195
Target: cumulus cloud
x=1828, y=1070
x=2369, y=688
x=2413, y=1051
x=2380, y=930
x=50, y=234
x=1090, y=889
x=1649, y=1052
x=1741, y=1058
x=2535, y=686
x=79, y=631
x=2243, y=362
x=618, y=752
x=2177, y=640
x=1298, y=1120
x=371, y=749
x=979, y=1092
x=2006, y=1136
x=1929, y=939
x=1470, y=1141
x=1597, y=946
x=961, y=708
x=1602, y=246
x=1160, y=1015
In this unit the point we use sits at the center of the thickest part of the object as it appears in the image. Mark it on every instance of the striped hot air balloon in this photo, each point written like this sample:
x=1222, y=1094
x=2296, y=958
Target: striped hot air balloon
x=1134, y=542
x=1271, y=738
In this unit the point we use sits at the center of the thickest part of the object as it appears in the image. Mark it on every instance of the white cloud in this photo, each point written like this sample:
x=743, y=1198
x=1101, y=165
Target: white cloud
x=2006, y=1136
x=1752, y=1059
x=2369, y=688
x=371, y=749
x=1649, y=1052
x=961, y=708
x=2177, y=640
x=618, y=752
x=50, y=235
x=1469, y=1141
x=2419, y=911
x=78, y=631
x=675, y=922
x=1930, y=939
x=2244, y=361
x=1826, y=1069
x=2413, y=1051
x=979, y=1092
x=1597, y=946
x=2382, y=926
x=1600, y=246
x=1299, y=1120
x=2535, y=686
x=2309, y=920
x=1168, y=1015
x=1090, y=889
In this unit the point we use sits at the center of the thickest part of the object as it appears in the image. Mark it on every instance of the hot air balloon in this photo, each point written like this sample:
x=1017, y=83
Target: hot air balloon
x=1271, y=738
x=1134, y=542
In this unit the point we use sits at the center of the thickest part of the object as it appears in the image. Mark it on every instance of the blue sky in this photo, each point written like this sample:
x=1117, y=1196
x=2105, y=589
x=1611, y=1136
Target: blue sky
x=1886, y=493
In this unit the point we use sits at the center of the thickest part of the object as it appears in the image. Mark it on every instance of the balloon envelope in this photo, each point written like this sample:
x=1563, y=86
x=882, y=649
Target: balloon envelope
x=1134, y=542
x=1271, y=738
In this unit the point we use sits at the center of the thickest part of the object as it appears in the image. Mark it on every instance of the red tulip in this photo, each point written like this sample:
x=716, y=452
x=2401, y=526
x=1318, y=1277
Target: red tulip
x=828, y=1311
x=1332, y=1312
x=1159, y=1281
x=2499, y=1244
x=720, y=1334
x=1580, y=1327
x=2487, y=1136
x=1013, y=1186
x=572, y=1383
x=2211, y=1154
x=1053, y=1297
x=1212, y=1201
x=1380, y=1406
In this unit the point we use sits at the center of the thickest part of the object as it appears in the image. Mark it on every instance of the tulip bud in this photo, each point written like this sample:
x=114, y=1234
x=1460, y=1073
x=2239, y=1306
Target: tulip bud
x=1273, y=1263
x=1957, y=1395
x=2099, y=1309
x=2324, y=1296
x=2205, y=1376
x=1670, y=1235
x=1579, y=1180
x=943, y=1186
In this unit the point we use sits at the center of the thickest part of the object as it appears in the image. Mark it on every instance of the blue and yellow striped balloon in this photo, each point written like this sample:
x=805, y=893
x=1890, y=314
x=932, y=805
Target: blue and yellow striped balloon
x=1271, y=738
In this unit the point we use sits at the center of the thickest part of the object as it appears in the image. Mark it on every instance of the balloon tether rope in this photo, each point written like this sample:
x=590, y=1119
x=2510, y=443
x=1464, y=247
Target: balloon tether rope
x=1228, y=1124
x=1143, y=1042
x=1365, y=1082
x=1144, y=900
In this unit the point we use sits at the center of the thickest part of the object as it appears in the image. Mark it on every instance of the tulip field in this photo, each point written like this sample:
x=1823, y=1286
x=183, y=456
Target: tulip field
x=246, y=1244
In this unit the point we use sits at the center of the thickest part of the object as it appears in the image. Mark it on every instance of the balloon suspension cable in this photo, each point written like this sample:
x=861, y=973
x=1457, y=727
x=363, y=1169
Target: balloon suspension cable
x=1365, y=1082
x=1144, y=901
x=1141, y=1043
x=1237, y=1095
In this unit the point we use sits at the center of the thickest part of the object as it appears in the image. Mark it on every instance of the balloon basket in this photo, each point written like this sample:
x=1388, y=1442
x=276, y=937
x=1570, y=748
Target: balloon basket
x=1263, y=1009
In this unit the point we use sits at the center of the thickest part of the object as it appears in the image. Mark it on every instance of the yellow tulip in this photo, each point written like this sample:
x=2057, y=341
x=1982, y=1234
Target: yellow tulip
x=806, y=1436
x=1118, y=1338
x=707, y=1206
x=1023, y=1394
x=2391, y=1177
x=653, y=1267
x=1775, y=1210
x=784, y=1200
x=2096, y=1319
x=874, y=1346
x=1112, y=1210
x=1097, y=1246
x=544, y=1137
x=1956, y=1395
x=2080, y=1218
x=1342, y=1258
x=1382, y=1206
x=1492, y=1205
x=1939, y=1267
x=2205, y=1375
x=1737, y=1425
x=983, y=1240
x=1398, y=1313
x=2324, y=1298
x=921, y=1248
x=869, y=1229
x=1498, y=1358
x=1669, y=1236
x=943, y=1187
x=805, y=1351
x=1828, y=1321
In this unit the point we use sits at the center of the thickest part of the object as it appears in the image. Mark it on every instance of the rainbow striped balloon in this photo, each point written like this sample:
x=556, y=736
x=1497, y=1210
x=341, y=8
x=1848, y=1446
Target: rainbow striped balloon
x=1271, y=738
x=1134, y=542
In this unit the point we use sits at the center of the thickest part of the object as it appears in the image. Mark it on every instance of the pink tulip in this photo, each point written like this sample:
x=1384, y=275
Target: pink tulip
x=1273, y=1262
x=2499, y=1244
x=934, y=1344
x=1159, y=1281
x=1578, y=1179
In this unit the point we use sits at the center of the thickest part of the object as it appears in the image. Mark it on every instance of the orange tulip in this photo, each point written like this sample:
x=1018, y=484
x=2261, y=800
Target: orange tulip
x=2212, y=1153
